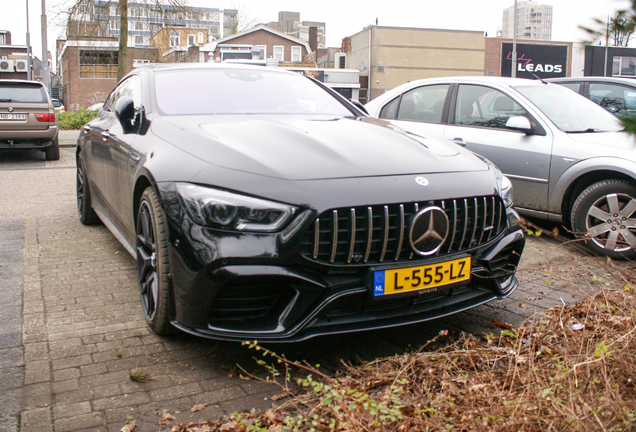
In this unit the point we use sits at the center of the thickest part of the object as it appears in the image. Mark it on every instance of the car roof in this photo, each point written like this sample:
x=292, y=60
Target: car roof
x=188, y=66
x=616, y=80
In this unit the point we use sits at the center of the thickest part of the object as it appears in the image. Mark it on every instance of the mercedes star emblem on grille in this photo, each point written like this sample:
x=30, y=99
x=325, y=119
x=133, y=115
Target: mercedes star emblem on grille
x=10, y=109
x=421, y=181
x=428, y=230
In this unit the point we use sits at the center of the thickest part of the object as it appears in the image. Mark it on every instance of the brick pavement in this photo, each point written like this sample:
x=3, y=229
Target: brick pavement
x=82, y=328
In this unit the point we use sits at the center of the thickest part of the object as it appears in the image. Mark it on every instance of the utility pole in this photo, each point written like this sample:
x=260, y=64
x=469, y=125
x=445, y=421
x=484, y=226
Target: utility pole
x=46, y=76
x=606, y=43
x=513, y=72
x=29, y=71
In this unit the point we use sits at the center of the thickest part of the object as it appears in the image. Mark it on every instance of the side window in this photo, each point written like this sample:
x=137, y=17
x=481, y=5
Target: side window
x=423, y=104
x=390, y=109
x=109, y=105
x=485, y=107
x=614, y=98
x=131, y=87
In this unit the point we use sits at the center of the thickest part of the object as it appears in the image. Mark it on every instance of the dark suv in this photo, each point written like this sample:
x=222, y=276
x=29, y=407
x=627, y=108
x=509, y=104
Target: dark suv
x=27, y=118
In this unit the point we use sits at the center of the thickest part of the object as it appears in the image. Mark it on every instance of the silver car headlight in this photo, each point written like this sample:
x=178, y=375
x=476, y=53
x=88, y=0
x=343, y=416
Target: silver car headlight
x=220, y=209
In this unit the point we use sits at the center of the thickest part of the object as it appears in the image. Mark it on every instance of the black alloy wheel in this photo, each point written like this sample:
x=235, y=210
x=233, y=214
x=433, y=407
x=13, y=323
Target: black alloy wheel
x=87, y=215
x=152, y=262
x=604, y=215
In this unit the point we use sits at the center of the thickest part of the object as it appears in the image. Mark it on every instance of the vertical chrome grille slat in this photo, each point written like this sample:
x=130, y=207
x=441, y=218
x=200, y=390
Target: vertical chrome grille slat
x=334, y=241
x=475, y=215
x=317, y=239
x=483, y=220
x=452, y=240
x=493, y=205
x=502, y=214
x=386, y=232
x=352, y=243
x=370, y=233
x=461, y=243
x=385, y=238
x=401, y=232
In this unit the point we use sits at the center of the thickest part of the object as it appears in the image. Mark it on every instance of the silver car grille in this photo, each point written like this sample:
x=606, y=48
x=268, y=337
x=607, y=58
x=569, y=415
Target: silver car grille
x=378, y=234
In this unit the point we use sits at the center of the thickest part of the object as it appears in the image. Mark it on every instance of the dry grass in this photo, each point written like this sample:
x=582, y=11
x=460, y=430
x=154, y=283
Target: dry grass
x=569, y=369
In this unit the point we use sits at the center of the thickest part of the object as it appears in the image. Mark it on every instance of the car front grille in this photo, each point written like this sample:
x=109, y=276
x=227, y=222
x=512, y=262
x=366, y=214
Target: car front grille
x=379, y=233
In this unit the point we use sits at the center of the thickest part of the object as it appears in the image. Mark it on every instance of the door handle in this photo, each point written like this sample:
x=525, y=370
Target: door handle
x=459, y=141
x=105, y=135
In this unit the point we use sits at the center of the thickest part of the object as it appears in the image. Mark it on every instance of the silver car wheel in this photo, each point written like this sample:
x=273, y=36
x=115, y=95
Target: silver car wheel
x=609, y=223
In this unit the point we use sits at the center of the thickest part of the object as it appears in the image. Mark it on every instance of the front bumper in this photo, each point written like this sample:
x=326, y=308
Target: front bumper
x=260, y=287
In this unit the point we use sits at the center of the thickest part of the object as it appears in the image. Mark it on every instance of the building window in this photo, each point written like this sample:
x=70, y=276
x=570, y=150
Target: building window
x=174, y=39
x=200, y=37
x=624, y=66
x=295, y=54
x=139, y=40
x=191, y=40
x=139, y=62
x=263, y=53
x=98, y=64
x=278, y=53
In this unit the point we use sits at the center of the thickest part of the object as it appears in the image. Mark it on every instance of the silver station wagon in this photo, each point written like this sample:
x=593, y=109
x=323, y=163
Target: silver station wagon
x=568, y=159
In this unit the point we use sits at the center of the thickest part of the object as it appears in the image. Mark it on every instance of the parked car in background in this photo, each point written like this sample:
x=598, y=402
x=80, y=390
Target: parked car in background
x=261, y=205
x=96, y=107
x=568, y=158
x=27, y=118
x=617, y=95
x=59, y=107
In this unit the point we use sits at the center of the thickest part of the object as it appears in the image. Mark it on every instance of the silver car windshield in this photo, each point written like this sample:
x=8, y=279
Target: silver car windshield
x=569, y=111
x=236, y=91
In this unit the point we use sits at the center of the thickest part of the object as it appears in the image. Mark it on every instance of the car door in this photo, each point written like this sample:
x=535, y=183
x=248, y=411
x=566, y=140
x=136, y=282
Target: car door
x=420, y=110
x=125, y=157
x=477, y=120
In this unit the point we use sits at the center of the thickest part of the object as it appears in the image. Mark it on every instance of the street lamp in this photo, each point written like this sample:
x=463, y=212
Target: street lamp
x=45, y=52
x=28, y=37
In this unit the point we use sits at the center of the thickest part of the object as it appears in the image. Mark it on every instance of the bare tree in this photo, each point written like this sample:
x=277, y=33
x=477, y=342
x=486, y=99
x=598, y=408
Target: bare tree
x=91, y=19
x=239, y=21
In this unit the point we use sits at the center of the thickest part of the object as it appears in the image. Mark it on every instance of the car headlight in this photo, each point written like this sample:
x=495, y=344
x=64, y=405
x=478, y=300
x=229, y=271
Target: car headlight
x=505, y=191
x=220, y=209
x=504, y=185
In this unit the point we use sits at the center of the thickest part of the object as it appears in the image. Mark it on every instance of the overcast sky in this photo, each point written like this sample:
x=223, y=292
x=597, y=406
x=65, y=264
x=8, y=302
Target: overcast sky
x=342, y=18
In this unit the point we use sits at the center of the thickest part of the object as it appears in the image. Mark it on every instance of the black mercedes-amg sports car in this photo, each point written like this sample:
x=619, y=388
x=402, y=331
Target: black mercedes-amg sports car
x=260, y=204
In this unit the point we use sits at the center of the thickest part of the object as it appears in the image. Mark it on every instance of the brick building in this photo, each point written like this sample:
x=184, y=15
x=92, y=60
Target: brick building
x=88, y=68
x=269, y=43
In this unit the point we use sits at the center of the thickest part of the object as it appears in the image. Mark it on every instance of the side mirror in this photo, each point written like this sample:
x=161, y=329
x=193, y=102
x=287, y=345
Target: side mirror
x=125, y=109
x=519, y=123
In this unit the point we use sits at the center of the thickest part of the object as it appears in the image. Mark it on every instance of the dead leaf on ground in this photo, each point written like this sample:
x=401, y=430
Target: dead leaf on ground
x=166, y=419
x=506, y=326
x=198, y=407
x=129, y=427
x=523, y=306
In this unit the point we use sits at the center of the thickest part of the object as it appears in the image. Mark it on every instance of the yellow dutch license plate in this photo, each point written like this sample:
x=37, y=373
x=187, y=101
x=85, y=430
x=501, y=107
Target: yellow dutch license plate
x=395, y=281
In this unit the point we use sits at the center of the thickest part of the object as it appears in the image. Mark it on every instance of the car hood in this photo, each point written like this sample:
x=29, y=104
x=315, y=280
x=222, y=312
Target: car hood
x=311, y=148
x=622, y=140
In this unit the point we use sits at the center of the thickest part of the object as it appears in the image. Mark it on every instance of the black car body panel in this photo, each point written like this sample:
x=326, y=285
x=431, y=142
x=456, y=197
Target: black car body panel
x=354, y=187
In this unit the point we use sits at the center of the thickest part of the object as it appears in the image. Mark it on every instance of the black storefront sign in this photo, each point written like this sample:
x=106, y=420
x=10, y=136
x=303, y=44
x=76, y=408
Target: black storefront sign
x=545, y=61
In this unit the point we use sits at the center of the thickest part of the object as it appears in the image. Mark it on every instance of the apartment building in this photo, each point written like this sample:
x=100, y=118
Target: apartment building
x=533, y=21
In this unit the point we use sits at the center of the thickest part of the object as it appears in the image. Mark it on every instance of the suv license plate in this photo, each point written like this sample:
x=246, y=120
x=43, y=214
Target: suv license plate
x=12, y=116
x=396, y=281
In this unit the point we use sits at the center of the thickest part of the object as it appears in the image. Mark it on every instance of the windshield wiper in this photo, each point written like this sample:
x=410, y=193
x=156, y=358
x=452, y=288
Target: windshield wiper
x=588, y=130
x=5, y=100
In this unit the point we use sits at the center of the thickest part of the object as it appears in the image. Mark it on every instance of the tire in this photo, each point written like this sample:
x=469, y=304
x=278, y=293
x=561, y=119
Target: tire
x=87, y=215
x=153, y=263
x=52, y=152
x=604, y=216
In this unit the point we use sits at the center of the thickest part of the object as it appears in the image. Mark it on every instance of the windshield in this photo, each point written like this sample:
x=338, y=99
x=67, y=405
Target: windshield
x=241, y=91
x=569, y=111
